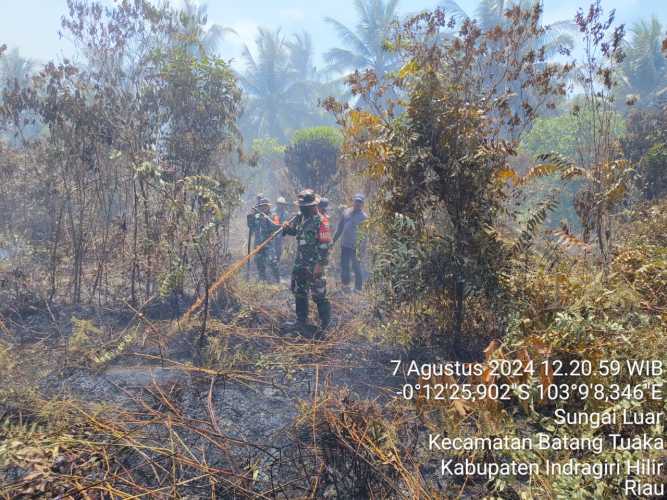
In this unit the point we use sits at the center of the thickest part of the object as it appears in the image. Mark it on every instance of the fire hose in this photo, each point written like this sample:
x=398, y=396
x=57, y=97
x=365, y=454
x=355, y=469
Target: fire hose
x=229, y=272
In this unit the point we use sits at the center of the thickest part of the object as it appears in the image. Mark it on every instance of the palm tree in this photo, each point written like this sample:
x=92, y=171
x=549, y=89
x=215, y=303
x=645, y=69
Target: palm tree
x=365, y=45
x=645, y=67
x=191, y=28
x=283, y=86
x=301, y=56
x=277, y=98
x=313, y=84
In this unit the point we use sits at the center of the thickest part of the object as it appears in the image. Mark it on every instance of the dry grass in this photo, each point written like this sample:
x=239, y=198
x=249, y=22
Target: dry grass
x=155, y=442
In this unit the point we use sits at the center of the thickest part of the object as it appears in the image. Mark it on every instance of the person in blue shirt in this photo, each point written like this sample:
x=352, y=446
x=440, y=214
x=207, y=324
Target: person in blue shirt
x=347, y=232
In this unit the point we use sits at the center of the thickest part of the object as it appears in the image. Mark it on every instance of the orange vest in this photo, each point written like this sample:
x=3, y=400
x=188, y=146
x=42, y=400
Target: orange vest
x=325, y=233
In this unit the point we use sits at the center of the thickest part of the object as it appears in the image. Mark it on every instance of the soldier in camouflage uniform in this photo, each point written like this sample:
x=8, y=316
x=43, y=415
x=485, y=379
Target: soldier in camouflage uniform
x=261, y=225
x=311, y=259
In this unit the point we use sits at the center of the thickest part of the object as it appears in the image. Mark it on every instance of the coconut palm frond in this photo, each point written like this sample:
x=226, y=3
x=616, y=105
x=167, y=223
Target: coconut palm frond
x=454, y=10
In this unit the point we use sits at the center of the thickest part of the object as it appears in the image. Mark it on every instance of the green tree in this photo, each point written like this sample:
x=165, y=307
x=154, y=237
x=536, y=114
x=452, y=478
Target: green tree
x=313, y=84
x=268, y=175
x=654, y=172
x=311, y=159
x=200, y=101
x=301, y=56
x=568, y=136
x=645, y=128
x=16, y=73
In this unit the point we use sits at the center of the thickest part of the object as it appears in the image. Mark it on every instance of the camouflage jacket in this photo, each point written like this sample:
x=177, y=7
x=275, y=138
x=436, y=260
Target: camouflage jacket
x=261, y=226
x=309, y=249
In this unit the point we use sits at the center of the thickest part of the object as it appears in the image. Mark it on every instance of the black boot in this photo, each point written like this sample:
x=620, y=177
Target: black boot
x=301, y=322
x=301, y=310
x=324, y=312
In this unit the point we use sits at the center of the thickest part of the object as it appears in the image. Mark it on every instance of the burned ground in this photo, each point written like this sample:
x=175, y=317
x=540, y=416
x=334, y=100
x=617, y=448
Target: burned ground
x=248, y=423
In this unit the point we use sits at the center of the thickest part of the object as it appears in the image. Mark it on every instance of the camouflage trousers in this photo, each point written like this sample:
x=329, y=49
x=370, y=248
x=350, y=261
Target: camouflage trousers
x=304, y=284
x=267, y=257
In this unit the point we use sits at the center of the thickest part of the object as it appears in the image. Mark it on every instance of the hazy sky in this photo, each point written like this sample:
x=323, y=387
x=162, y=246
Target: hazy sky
x=32, y=25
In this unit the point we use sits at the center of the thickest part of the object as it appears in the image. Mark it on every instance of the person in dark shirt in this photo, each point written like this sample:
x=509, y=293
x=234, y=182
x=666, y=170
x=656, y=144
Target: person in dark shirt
x=262, y=227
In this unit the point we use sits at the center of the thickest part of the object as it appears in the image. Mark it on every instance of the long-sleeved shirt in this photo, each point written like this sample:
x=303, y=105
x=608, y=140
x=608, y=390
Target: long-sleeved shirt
x=310, y=250
x=348, y=226
x=261, y=226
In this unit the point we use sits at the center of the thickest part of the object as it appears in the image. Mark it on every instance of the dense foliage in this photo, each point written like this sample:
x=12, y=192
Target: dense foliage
x=442, y=166
x=130, y=155
x=311, y=159
x=644, y=145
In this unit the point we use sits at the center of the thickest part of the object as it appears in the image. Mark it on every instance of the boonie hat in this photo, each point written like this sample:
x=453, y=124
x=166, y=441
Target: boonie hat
x=307, y=198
